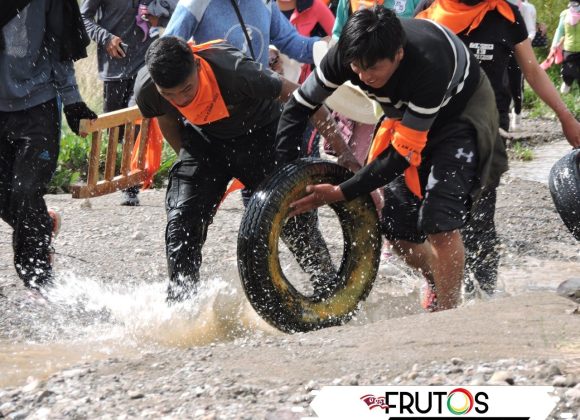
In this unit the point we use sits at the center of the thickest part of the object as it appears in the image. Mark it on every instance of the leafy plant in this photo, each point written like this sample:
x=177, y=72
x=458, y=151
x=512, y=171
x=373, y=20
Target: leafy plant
x=521, y=152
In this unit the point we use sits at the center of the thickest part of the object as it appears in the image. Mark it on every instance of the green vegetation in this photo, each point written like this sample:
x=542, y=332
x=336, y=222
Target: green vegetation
x=521, y=152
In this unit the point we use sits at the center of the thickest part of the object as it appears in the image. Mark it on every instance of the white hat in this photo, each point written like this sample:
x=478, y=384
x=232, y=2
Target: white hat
x=291, y=69
x=348, y=100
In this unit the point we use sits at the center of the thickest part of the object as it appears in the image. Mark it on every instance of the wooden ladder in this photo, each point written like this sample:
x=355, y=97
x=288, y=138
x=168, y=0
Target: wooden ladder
x=107, y=183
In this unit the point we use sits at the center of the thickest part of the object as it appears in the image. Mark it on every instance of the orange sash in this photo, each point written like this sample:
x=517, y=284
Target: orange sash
x=208, y=105
x=407, y=142
x=458, y=16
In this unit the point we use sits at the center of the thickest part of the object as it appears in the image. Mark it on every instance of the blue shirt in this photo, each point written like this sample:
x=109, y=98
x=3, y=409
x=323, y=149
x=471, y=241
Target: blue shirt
x=206, y=20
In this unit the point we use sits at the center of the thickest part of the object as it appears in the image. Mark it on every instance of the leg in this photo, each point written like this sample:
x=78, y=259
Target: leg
x=196, y=185
x=301, y=234
x=35, y=134
x=481, y=243
x=116, y=95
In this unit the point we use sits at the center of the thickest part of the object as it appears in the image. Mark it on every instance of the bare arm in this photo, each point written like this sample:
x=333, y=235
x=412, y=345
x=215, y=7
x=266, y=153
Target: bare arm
x=326, y=126
x=171, y=128
x=542, y=85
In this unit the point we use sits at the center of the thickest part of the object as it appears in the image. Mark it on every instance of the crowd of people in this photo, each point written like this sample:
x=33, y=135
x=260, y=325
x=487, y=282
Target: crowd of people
x=446, y=75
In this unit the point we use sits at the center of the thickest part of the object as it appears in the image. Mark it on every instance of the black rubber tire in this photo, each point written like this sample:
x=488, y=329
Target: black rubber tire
x=265, y=285
x=565, y=189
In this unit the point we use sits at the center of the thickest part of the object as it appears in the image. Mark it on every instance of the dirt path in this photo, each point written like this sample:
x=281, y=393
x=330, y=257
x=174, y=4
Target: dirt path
x=108, y=345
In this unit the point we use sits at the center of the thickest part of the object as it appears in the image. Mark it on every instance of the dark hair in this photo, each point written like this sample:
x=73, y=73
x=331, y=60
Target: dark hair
x=370, y=35
x=170, y=61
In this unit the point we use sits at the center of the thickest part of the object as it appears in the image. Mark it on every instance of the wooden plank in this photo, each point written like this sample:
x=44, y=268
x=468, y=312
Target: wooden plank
x=111, y=161
x=143, y=143
x=128, y=143
x=110, y=119
x=93, y=171
x=107, y=187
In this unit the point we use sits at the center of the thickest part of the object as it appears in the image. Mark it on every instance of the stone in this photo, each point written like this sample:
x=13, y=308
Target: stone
x=573, y=395
x=564, y=381
x=570, y=289
x=138, y=236
x=499, y=377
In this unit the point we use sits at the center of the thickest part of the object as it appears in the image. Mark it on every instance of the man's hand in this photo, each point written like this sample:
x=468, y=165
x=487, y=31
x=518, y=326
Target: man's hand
x=76, y=112
x=318, y=195
x=114, y=47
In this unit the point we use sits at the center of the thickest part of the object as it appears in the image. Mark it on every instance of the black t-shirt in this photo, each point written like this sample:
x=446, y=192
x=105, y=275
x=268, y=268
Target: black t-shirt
x=249, y=91
x=431, y=87
x=493, y=43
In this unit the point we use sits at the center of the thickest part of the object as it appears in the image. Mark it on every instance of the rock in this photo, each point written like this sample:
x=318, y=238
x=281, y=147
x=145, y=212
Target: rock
x=501, y=378
x=457, y=361
x=282, y=415
x=31, y=386
x=138, y=236
x=564, y=381
x=44, y=394
x=86, y=204
x=570, y=289
x=311, y=386
x=573, y=395
x=547, y=371
x=135, y=395
x=74, y=372
x=6, y=409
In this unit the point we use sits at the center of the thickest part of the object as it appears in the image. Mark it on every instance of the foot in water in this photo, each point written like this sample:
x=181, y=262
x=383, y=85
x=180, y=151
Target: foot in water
x=429, y=297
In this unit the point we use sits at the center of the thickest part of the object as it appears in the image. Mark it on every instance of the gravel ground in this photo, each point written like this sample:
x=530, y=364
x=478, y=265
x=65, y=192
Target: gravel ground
x=107, y=346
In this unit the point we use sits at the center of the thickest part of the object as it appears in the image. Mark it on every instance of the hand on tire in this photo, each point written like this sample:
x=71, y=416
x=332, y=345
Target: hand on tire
x=318, y=195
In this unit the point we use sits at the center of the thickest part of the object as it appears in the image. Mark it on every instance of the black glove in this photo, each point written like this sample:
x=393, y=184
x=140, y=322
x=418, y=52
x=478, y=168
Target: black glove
x=76, y=112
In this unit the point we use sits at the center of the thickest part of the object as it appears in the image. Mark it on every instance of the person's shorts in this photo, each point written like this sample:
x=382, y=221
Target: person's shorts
x=448, y=174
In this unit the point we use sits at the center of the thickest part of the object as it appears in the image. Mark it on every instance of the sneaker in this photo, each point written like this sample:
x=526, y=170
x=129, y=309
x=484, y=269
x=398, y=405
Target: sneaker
x=429, y=297
x=515, y=121
x=130, y=197
x=564, y=88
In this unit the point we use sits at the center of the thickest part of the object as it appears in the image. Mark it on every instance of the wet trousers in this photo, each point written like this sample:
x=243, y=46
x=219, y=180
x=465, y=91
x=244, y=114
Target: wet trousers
x=29, y=147
x=197, y=183
x=481, y=244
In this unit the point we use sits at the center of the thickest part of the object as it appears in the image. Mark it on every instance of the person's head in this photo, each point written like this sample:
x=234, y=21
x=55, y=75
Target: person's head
x=173, y=69
x=575, y=5
x=372, y=42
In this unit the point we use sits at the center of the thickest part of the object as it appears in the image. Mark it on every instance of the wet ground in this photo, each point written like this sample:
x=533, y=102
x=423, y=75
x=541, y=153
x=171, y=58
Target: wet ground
x=107, y=334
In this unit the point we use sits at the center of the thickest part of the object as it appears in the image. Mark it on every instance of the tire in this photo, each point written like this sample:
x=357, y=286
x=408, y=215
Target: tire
x=270, y=293
x=565, y=189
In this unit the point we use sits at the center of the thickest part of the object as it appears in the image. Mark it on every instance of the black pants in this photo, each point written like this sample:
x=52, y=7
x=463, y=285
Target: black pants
x=516, y=84
x=571, y=68
x=481, y=244
x=117, y=94
x=29, y=147
x=197, y=183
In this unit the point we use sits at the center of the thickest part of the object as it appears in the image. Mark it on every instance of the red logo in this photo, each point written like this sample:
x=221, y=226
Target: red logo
x=374, y=402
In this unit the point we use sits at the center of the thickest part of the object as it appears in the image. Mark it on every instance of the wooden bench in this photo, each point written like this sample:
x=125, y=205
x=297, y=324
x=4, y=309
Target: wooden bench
x=100, y=184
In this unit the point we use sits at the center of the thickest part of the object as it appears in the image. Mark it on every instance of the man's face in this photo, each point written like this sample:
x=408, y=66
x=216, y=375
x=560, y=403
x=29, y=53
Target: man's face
x=184, y=93
x=377, y=75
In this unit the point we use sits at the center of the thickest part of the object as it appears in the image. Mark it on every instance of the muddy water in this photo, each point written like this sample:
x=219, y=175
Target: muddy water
x=89, y=319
